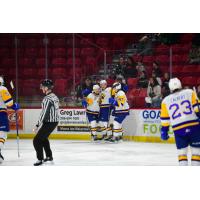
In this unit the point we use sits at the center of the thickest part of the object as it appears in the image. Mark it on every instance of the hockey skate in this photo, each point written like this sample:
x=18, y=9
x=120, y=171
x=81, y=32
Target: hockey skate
x=38, y=163
x=48, y=159
x=113, y=139
x=119, y=138
x=108, y=137
x=102, y=137
x=1, y=158
x=95, y=138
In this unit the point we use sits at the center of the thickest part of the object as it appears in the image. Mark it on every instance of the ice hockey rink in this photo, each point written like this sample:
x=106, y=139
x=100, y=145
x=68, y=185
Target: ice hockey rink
x=87, y=153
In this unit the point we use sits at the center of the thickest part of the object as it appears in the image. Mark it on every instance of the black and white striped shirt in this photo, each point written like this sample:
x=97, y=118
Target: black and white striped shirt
x=50, y=109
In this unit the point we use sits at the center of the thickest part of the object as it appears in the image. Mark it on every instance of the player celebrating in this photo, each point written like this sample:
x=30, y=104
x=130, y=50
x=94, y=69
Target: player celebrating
x=47, y=122
x=120, y=112
x=105, y=109
x=91, y=102
x=6, y=101
x=181, y=110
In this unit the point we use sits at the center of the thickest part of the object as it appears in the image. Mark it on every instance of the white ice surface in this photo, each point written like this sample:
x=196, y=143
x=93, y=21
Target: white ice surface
x=86, y=153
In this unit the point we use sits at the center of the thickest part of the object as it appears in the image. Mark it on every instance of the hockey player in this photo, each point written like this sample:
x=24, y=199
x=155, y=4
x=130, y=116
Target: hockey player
x=120, y=112
x=6, y=101
x=181, y=110
x=105, y=110
x=91, y=103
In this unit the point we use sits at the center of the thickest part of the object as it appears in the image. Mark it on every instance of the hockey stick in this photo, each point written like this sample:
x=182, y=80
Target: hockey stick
x=16, y=121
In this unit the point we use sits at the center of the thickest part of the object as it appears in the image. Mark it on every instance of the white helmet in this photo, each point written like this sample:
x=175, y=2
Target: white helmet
x=117, y=86
x=103, y=82
x=96, y=87
x=174, y=84
x=1, y=80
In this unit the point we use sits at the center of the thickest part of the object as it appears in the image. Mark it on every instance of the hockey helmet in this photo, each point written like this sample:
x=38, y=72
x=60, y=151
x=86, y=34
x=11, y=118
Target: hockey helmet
x=174, y=84
x=117, y=86
x=1, y=80
x=96, y=88
x=47, y=83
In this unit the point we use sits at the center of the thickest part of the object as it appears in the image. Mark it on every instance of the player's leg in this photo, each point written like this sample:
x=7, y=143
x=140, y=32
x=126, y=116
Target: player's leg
x=182, y=143
x=46, y=145
x=92, y=118
x=195, y=160
x=103, y=121
x=117, y=126
x=38, y=145
x=4, y=128
x=3, y=137
x=195, y=145
x=182, y=156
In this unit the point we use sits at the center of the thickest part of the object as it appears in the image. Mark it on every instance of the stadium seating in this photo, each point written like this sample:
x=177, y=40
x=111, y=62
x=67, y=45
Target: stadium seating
x=61, y=86
x=132, y=82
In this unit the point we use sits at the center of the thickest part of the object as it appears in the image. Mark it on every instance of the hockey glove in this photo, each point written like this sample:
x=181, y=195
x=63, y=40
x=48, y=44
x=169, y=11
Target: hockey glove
x=125, y=88
x=84, y=103
x=113, y=102
x=15, y=106
x=164, y=133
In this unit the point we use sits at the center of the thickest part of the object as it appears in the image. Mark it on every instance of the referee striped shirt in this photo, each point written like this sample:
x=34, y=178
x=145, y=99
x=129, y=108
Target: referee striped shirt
x=50, y=109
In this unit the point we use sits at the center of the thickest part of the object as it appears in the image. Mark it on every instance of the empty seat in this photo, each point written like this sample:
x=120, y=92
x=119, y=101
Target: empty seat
x=161, y=50
x=85, y=42
x=7, y=42
x=139, y=102
x=7, y=62
x=61, y=86
x=41, y=73
x=148, y=59
x=59, y=61
x=58, y=42
x=163, y=59
x=4, y=52
x=31, y=42
x=87, y=52
x=31, y=52
x=40, y=62
x=143, y=92
x=118, y=43
x=132, y=82
x=28, y=72
x=25, y=62
x=42, y=52
x=59, y=72
x=70, y=61
x=57, y=52
x=102, y=42
x=70, y=51
x=189, y=81
x=190, y=70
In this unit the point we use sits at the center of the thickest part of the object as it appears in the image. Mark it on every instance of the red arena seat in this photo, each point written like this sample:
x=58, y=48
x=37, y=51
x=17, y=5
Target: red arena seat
x=59, y=52
x=132, y=82
x=59, y=61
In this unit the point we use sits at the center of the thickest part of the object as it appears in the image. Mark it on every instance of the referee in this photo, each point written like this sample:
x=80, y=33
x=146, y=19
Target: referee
x=47, y=122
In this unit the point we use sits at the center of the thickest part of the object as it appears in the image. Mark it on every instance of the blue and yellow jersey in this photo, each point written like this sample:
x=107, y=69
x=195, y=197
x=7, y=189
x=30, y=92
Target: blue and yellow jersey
x=122, y=103
x=179, y=109
x=104, y=97
x=5, y=99
x=93, y=103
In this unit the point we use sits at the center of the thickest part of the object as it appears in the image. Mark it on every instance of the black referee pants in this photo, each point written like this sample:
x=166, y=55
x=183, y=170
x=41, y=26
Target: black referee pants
x=41, y=141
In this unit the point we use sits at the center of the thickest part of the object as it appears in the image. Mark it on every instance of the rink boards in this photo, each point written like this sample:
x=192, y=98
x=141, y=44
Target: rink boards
x=141, y=125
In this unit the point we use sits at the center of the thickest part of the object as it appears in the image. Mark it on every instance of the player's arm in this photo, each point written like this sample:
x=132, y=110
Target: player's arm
x=8, y=100
x=165, y=122
x=196, y=104
x=89, y=100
